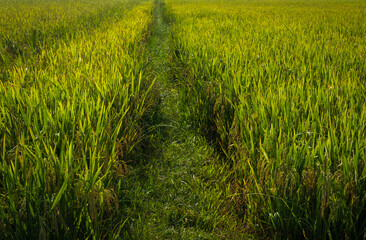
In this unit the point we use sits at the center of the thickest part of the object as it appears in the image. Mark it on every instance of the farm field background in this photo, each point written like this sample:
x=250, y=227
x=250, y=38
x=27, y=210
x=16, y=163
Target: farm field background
x=183, y=119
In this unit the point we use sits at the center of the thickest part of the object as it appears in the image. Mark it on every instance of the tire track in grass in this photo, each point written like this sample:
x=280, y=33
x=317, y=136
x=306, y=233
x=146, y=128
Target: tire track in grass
x=179, y=190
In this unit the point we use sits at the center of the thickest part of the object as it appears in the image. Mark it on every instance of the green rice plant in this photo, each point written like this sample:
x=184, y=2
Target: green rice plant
x=278, y=87
x=70, y=118
x=28, y=26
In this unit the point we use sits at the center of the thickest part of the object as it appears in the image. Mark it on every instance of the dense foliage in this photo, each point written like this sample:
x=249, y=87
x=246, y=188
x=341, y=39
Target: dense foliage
x=71, y=106
x=280, y=87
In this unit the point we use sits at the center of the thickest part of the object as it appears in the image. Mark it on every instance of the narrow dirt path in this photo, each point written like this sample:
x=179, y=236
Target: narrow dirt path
x=179, y=191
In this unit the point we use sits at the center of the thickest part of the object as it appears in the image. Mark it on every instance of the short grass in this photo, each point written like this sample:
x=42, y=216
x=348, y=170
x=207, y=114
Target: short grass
x=178, y=190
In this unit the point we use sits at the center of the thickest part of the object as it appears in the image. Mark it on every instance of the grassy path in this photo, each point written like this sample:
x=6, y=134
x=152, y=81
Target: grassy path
x=178, y=191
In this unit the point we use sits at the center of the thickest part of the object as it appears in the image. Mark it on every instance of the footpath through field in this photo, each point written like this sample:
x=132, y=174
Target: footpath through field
x=179, y=191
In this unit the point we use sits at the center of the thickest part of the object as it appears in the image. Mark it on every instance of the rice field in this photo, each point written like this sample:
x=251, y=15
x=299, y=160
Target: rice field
x=70, y=116
x=277, y=87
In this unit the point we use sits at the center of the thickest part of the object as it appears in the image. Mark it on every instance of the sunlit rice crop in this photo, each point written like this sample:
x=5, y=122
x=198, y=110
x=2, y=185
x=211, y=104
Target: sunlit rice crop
x=279, y=87
x=70, y=116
